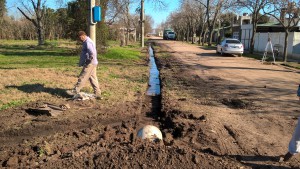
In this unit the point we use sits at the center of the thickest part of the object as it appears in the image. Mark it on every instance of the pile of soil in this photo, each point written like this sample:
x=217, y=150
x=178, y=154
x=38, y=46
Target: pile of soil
x=86, y=140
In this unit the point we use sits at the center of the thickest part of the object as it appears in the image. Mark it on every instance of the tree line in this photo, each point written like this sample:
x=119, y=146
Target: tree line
x=203, y=17
x=39, y=22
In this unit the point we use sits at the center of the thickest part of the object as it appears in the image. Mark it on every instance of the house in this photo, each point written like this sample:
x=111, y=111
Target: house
x=243, y=31
x=234, y=29
x=276, y=33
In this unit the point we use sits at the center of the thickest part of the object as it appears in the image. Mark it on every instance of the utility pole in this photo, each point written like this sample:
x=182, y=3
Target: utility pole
x=92, y=27
x=142, y=23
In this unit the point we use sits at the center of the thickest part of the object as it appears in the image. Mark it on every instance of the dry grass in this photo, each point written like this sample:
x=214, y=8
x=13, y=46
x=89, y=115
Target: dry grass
x=119, y=79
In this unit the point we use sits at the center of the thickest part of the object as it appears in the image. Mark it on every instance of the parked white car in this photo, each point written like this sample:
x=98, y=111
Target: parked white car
x=230, y=46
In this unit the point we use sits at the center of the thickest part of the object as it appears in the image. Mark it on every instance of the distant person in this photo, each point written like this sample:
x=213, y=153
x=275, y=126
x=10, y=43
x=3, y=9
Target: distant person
x=294, y=145
x=88, y=60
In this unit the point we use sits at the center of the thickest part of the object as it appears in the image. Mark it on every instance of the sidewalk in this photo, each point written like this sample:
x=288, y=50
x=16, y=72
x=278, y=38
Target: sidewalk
x=292, y=63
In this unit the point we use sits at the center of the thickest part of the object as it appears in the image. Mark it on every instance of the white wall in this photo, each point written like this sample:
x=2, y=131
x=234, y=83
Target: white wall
x=296, y=45
x=261, y=40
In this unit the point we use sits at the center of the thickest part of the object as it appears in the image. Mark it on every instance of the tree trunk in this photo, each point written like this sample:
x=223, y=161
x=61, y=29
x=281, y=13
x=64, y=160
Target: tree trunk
x=211, y=29
x=193, y=38
x=252, y=42
x=285, y=45
x=201, y=32
x=200, y=37
x=204, y=37
x=40, y=32
x=187, y=34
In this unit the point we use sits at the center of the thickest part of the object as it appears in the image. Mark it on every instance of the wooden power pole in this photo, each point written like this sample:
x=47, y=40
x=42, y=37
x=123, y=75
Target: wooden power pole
x=92, y=27
x=142, y=23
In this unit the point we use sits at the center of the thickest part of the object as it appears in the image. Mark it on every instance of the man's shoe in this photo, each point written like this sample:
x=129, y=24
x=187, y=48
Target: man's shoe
x=287, y=156
x=99, y=98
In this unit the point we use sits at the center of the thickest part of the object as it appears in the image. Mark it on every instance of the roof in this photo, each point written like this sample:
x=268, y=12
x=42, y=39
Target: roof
x=270, y=24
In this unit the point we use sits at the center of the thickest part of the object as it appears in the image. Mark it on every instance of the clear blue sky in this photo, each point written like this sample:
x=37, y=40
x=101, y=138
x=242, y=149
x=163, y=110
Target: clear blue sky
x=159, y=15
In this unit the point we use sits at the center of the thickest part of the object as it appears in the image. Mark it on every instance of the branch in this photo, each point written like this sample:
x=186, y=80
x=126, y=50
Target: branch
x=31, y=20
x=201, y=3
x=34, y=7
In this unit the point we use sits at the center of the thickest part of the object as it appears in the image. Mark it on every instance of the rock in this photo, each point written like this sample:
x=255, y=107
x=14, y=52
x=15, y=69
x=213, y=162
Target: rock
x=181, y=151
x=47, y=148
x=202, y=118
x=107, y=128
x=87, y=131
x=191, y=116
x=168, y=139
x=12, y=162
x=103, y=144
x=58, y=152
x=124, y=125
x=105, y=136
x=195, y=159
x=76, y=134
x=64, y=150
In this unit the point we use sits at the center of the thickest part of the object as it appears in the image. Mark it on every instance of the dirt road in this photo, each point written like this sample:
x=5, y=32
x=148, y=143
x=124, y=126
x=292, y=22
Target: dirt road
x=214, y=112
x=251, y=108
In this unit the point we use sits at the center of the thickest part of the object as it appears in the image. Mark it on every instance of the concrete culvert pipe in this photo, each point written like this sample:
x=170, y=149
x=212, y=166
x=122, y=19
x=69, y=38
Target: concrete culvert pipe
x=150, y=132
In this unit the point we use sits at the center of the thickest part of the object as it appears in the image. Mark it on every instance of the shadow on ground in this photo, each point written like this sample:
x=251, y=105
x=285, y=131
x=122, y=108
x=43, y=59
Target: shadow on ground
x=38, y=88
x=247, y=160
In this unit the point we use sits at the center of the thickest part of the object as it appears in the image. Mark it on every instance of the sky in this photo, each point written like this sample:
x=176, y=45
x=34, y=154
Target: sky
x=158, y=14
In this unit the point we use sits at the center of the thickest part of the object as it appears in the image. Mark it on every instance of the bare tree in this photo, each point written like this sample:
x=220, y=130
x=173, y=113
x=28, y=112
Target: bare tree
x=256, y=8
x=2, y=14
x=183, y=21
x=213, y=9
x=202, y=27
x=287, y=14
x=36, y=15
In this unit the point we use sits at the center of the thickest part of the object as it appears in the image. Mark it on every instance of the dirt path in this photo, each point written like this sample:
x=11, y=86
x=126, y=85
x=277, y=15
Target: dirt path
x=252, y=107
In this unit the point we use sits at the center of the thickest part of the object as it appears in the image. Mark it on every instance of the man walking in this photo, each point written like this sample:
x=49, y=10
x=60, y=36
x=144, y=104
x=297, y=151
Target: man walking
x=88, y=59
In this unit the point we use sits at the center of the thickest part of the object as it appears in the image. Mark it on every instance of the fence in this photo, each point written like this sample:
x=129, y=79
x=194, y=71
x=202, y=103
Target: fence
x=277, y=39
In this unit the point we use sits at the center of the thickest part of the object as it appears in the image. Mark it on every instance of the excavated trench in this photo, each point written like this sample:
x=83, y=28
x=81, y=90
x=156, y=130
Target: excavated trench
x=152, y=107
x=154, y=98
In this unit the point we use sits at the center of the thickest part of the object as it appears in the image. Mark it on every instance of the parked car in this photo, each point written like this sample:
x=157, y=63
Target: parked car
x=230, y=46
x=171, y=35
x=165, y=34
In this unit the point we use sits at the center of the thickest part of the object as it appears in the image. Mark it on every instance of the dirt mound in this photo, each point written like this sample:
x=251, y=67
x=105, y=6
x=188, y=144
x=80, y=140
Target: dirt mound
x=111, y=146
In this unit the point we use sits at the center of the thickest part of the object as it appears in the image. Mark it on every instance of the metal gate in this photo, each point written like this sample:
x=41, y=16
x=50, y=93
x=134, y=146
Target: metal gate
x=246, y=38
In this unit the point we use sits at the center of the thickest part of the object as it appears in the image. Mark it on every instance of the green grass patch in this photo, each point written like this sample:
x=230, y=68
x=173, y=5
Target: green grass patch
x=23, y=54
x=13, y=103
x=124, y=53
x=14, y=62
